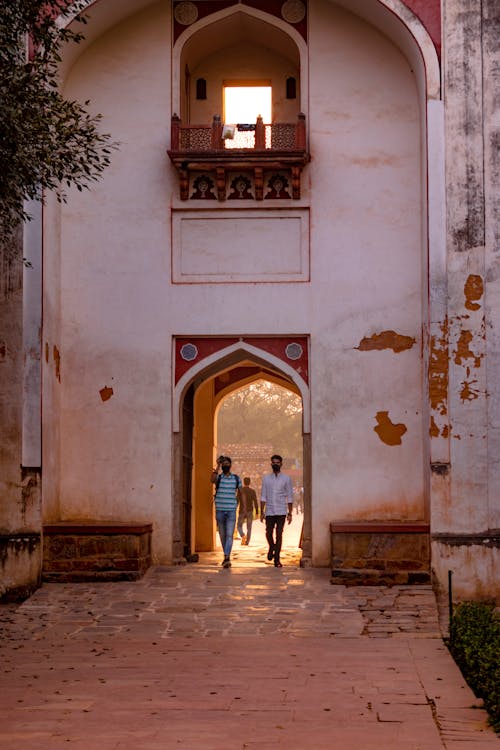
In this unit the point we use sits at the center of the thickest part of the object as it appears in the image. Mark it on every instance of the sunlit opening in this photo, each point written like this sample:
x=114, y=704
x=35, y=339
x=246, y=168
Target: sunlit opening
x=242, y=104
x=256, y=421
x=252, y=423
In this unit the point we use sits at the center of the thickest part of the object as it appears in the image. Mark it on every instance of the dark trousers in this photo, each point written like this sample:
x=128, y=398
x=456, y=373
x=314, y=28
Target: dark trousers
x=271, y=522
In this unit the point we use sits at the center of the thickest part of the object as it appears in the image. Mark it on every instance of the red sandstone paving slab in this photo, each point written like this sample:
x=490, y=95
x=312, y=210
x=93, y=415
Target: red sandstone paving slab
x=363, y=660
x=463, y=722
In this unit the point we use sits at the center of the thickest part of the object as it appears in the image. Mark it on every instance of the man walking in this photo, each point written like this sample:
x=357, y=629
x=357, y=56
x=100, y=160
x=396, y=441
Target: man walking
x=248, y=504
x=276, y=498
x=226, y=489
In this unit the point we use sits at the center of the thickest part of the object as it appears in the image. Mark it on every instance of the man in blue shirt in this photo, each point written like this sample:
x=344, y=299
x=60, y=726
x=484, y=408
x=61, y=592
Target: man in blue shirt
x=276, y=497
x=227, y=486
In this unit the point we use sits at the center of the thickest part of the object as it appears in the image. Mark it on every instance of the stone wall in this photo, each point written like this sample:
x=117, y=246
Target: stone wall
x=96, y=551
x=371, y=553
x=20, y=554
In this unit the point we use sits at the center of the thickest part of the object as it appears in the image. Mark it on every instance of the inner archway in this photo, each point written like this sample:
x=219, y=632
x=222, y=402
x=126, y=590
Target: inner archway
x=252, y=423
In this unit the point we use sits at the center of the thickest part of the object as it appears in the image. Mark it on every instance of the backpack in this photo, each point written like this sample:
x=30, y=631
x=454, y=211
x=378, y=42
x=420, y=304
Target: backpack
x=219, y=477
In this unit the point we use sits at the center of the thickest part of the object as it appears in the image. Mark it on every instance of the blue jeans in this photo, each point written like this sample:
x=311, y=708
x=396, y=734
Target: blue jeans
x=248, y=517
x=226, y=521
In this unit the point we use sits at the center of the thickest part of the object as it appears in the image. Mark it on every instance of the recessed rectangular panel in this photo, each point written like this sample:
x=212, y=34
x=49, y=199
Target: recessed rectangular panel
x=240, y=246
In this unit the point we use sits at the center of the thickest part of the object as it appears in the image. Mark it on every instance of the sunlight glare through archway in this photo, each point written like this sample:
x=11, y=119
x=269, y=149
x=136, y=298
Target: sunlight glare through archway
x=257, y=420
x=242, y=104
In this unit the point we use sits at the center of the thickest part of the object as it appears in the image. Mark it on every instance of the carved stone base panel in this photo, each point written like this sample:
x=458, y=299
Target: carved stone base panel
x=277, y=185
x=202, y=186
x=241, y=186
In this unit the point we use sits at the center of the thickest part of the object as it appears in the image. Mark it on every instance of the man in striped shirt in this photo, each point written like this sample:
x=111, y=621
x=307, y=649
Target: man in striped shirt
x=275, y=498
x=227, y=486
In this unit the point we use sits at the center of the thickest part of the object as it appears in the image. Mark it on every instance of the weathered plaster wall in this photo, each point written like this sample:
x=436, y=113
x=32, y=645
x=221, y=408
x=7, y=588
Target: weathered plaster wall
x=468, y=503
x=366, y=267
x=113, y=320
x=53, y=364
x=19, y=491
x=362, y=305
x=11, y=317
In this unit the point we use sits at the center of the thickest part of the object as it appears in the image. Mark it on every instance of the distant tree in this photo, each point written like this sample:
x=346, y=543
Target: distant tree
x=262, y=412
x=47, y=142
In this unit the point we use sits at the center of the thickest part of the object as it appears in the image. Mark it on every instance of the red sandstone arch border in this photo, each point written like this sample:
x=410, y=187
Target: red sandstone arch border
x=235, y=351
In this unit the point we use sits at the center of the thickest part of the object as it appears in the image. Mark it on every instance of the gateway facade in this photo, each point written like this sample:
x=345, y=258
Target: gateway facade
x=345, y=250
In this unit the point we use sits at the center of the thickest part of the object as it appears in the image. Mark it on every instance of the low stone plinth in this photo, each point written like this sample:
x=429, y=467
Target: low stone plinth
x=20, y=565
x=95, y=551
x=364, y=554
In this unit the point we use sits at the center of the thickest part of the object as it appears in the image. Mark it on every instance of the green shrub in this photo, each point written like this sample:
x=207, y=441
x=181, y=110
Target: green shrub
x=475, y=646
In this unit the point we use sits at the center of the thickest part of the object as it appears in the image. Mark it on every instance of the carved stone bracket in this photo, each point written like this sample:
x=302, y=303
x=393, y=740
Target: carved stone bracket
x=201, y=150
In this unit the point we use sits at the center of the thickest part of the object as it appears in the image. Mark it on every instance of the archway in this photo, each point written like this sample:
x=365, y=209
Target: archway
x=205, y=385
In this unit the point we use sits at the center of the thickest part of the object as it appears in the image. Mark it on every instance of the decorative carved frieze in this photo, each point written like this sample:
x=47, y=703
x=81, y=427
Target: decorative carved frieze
x=269, y=168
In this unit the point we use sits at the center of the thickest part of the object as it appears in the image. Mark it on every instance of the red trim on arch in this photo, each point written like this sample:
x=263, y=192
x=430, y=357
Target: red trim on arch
x=429, y=13
x=275, y=345
x=207, y=7
x=205, y=346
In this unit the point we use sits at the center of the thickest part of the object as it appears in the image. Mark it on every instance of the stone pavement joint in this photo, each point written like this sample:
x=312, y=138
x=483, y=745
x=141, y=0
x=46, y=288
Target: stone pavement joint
x=250, y=658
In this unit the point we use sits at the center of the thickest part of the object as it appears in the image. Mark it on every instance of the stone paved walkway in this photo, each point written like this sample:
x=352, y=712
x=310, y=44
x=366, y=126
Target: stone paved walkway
x=254, y=657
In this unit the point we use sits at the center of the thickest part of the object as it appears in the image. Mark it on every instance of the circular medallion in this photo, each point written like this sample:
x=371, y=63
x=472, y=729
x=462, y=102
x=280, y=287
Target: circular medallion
x=186, y=13
x=294, y=351
x=293, y=11
x=189, y=352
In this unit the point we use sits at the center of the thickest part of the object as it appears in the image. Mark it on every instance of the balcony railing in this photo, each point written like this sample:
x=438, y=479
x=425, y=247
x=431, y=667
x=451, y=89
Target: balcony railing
x=277, y=136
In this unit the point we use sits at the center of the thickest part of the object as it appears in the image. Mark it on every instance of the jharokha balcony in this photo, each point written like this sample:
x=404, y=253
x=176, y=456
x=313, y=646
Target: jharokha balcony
x=239, y=162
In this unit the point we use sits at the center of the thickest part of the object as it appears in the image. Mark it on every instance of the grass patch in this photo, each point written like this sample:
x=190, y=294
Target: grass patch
x=475, y=646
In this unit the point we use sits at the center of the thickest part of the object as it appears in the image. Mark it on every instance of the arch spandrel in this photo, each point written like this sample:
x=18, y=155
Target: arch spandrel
x=227, y=358
x=414, y=26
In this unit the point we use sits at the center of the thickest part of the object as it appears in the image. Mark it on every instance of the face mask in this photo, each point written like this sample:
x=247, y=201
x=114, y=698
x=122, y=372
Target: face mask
x=275, y=468
x=226, y=469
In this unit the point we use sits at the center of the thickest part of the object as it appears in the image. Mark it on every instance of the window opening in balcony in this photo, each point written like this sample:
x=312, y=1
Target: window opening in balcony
x=243, y=102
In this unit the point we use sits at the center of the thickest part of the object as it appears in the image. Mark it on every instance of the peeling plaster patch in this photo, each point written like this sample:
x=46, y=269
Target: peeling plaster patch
x=434, y=431
x=106, y=393
x=386, y=340
x=473, y=290
x=438, y=370
x=468, y=393
x=57, y=360
x=387, y=431
x=463, y=350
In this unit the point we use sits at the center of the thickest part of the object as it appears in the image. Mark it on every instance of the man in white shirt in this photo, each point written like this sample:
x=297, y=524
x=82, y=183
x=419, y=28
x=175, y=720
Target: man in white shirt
x=275, y=499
